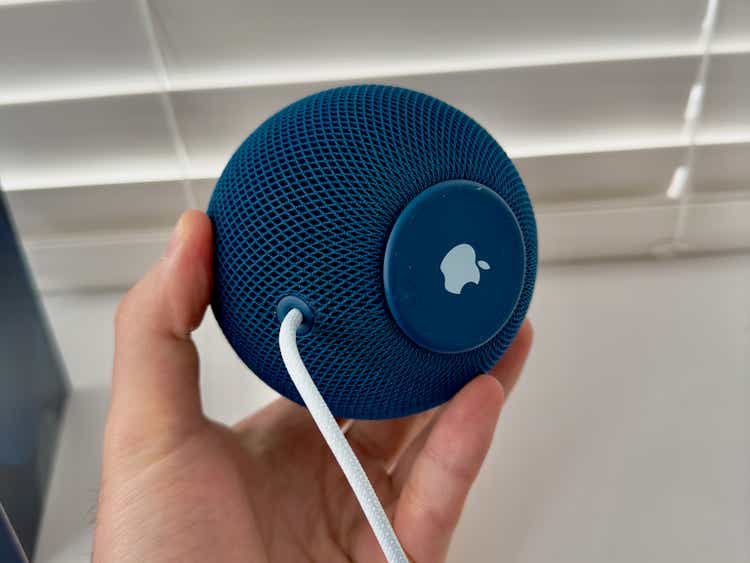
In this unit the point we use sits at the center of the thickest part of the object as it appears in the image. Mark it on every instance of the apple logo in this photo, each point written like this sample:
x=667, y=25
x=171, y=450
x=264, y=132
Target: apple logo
x=460, y=266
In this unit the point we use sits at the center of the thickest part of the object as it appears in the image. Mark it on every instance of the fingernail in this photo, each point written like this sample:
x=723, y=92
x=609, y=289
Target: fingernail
x=175, y=239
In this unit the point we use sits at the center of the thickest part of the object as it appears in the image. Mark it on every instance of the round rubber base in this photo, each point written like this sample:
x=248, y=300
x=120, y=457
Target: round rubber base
x=454, y=266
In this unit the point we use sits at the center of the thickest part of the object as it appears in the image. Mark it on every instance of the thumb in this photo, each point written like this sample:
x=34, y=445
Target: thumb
x=155, y=391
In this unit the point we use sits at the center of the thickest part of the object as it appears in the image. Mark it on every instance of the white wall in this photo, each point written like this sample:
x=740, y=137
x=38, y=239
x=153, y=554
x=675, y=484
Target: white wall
x=626, y=440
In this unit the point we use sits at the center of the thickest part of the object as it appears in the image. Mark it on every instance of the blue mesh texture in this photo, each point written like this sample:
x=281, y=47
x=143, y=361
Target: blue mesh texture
x=305, y=206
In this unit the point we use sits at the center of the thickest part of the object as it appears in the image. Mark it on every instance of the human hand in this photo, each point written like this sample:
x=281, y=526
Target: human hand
x=179, y=487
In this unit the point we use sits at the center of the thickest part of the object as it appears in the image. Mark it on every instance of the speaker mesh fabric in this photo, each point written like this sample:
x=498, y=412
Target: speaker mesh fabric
x=305, y=206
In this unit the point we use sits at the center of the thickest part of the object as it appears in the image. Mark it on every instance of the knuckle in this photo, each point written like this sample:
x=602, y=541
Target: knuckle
x=454, y=468
x=439, y=519
x=124, y=308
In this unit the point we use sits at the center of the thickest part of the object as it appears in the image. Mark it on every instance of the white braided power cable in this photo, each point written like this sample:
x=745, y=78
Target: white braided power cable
x=336, y=440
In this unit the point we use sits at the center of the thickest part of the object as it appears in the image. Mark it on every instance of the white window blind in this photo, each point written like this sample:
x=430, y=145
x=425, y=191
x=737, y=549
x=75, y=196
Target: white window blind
x=105, y=126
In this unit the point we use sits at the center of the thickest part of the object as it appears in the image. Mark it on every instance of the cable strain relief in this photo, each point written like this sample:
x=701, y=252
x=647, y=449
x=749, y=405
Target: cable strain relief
x=290, y=302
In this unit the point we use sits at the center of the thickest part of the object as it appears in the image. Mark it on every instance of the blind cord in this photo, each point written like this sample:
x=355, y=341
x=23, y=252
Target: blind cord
x=336, y=440
x=165, y=98
x=680, y=185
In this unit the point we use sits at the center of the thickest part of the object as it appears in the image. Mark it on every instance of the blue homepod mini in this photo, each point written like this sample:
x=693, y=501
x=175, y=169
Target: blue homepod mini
x=396, y=225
